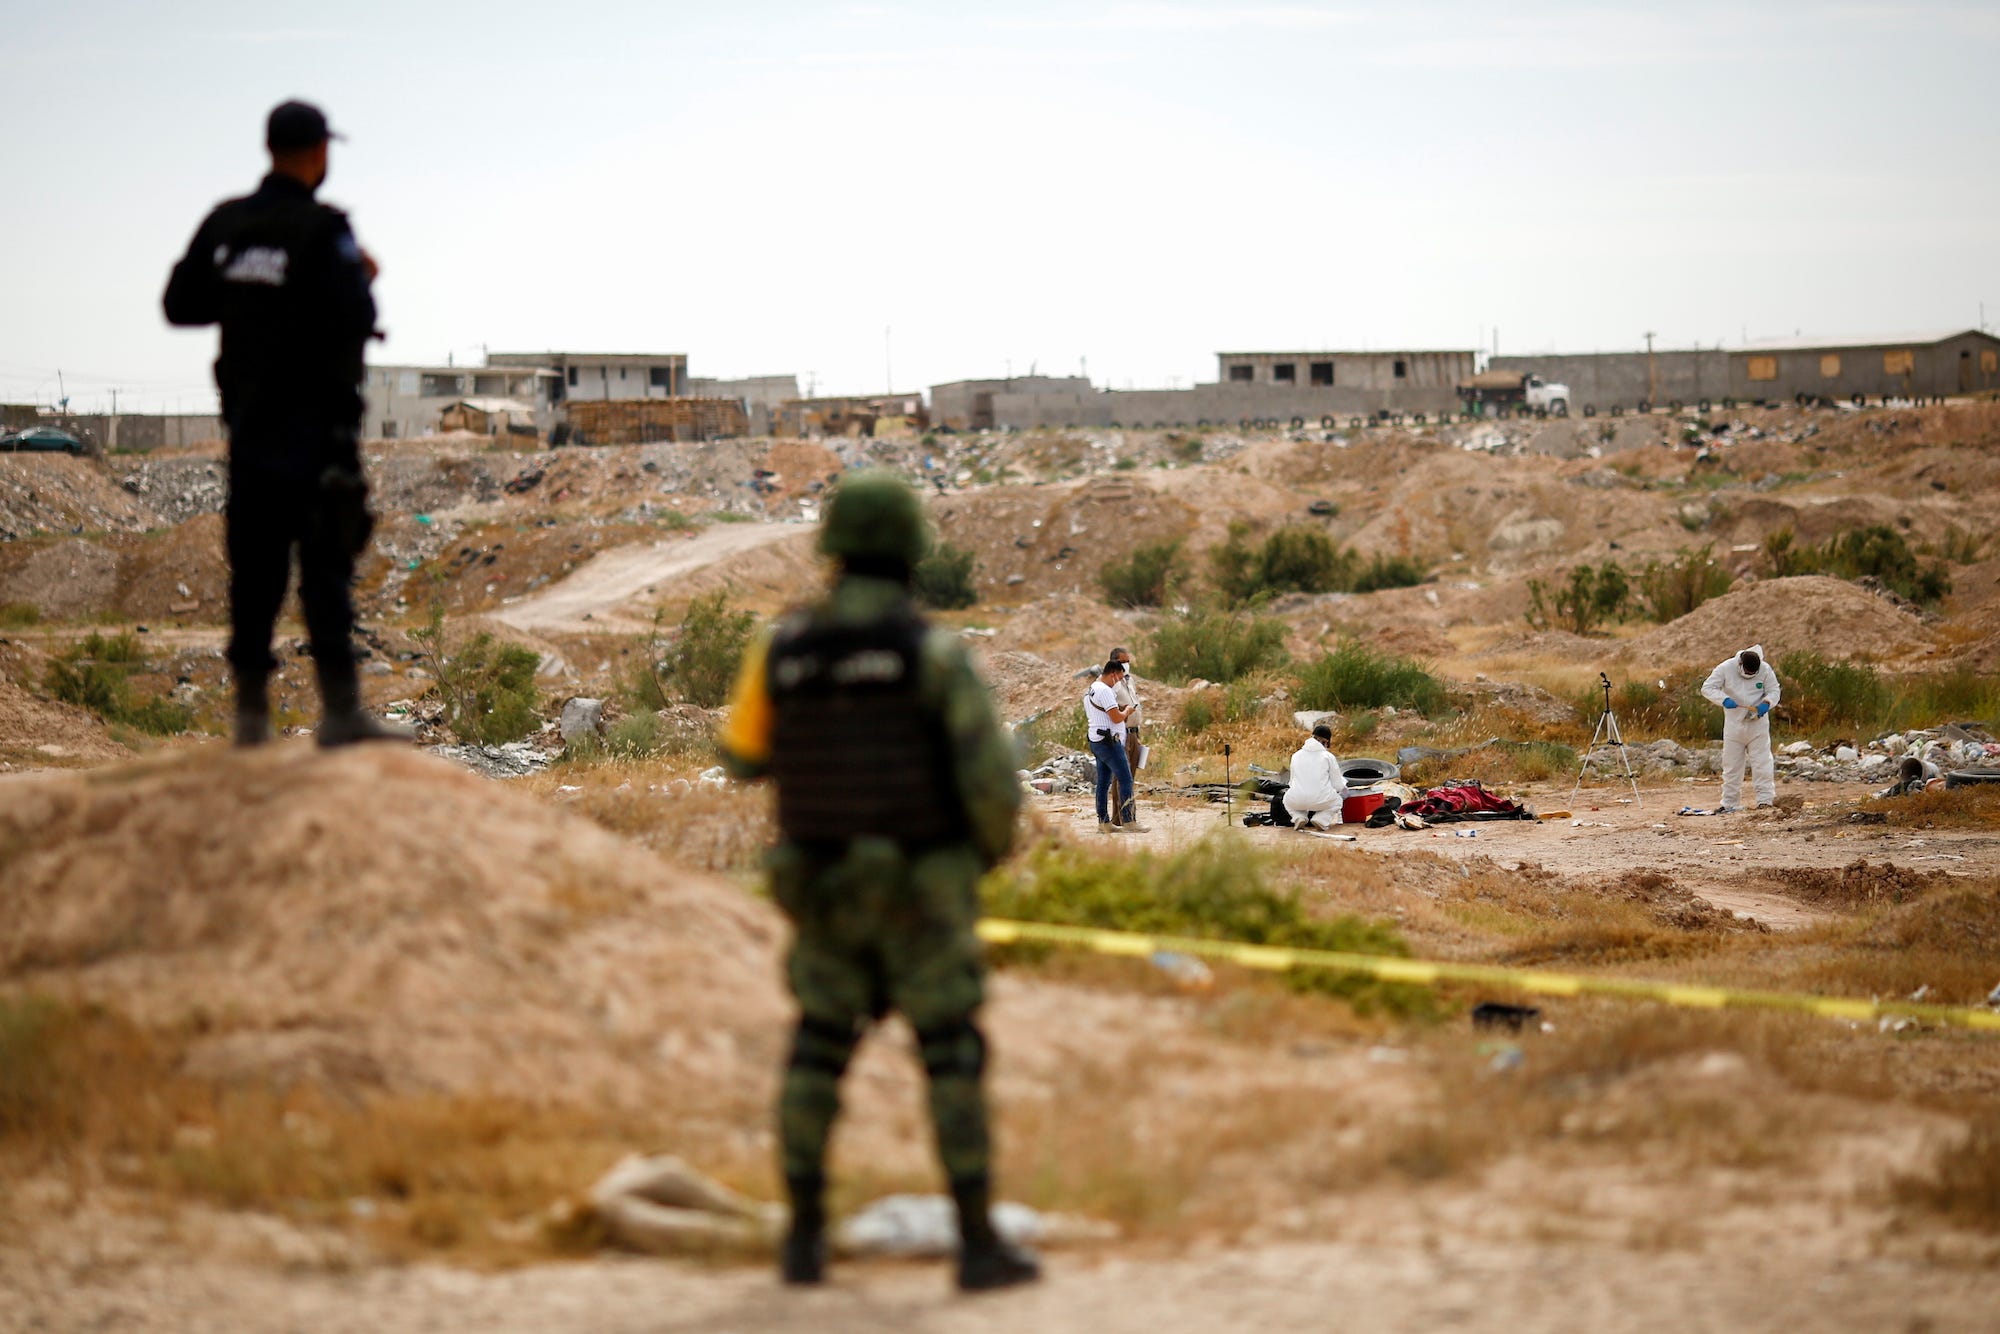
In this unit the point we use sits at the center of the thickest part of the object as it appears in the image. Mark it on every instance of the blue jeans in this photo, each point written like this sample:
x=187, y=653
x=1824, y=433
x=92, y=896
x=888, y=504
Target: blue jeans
x=1111, y=762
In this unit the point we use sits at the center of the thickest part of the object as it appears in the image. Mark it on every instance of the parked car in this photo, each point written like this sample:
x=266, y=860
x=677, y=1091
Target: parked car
x=41, y=440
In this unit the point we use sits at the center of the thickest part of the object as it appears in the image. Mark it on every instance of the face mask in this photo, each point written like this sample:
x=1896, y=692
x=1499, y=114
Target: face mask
x=1127, y=666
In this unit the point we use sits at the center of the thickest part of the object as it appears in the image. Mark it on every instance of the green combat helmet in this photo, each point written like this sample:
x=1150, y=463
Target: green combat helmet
x=874, y=515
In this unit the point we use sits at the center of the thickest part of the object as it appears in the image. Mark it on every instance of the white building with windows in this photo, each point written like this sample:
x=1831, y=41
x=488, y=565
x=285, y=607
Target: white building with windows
x=406, y=401
x=403, y=402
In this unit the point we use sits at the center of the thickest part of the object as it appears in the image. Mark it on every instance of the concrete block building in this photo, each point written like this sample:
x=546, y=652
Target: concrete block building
x=1930, y=365
x=1251, y=386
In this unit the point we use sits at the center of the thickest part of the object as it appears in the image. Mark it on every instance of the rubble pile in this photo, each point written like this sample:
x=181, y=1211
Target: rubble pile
x=1070, y=771
x=178, y=488
x=1937, y=750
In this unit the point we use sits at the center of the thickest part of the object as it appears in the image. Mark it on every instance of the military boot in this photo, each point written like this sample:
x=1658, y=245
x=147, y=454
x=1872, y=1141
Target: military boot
x=253, y=712
x=985, y=1259
x=802, y=1259
x=342, y=719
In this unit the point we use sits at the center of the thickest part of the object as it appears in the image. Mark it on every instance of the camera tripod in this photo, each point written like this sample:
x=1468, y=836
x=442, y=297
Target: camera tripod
x=1608, y=729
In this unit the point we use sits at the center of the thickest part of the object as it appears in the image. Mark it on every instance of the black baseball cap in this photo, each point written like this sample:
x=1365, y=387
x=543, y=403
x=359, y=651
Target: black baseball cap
x=295, y=125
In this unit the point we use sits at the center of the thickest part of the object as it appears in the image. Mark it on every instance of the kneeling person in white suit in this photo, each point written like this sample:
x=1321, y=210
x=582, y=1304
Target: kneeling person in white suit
x=1317, y=789
x=1747, y=689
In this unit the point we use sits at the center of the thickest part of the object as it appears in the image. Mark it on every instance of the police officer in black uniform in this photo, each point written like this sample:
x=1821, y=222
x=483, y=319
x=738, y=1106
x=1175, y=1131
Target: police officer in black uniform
x=283, y=276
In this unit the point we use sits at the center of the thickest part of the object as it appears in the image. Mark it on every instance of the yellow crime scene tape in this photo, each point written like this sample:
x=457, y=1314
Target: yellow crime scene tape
x=1422, y=972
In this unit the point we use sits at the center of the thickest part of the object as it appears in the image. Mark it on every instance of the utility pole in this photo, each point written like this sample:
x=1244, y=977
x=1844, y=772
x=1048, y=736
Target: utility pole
x=888, y=368
x=1652, y=374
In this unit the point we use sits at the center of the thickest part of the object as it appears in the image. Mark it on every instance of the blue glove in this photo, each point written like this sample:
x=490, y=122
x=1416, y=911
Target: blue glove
x=1728, y=703
x=1763, y=707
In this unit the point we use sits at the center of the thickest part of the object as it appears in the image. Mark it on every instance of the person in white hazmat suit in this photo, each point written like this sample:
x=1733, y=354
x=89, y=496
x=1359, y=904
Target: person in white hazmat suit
x=1317, y=789
x=1747, y=689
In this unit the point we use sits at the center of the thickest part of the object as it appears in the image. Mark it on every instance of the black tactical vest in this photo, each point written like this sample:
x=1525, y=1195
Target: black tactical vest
x=854, y=750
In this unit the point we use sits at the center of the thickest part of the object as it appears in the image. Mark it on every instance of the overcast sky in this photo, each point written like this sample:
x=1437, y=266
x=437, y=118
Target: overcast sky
x=769, y=187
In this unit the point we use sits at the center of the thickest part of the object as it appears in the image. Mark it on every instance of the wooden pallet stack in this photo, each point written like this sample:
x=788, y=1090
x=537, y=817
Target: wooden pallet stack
x=640, y=421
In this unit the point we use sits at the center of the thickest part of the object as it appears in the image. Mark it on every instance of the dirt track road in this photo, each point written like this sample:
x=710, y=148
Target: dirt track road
x=590, y=599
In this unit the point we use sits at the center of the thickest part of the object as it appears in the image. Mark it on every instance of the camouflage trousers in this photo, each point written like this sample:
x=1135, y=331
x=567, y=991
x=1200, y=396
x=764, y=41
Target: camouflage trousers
x=881, y=928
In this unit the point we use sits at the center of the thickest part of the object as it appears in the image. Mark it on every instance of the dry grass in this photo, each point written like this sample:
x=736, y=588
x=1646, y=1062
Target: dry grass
x=1943, y=808
x=658, y=804
x=88, y=1093
x=1963, y=1183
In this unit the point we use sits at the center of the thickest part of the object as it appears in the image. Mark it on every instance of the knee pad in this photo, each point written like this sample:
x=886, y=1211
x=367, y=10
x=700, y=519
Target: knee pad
x=823, y=1046
x=956, y=1048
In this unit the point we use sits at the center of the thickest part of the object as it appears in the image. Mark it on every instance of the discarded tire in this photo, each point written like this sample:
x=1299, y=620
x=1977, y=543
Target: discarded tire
x=1590, y=409
x=1861, y=400
x=1298, y=423
x=1645, y=406
x=1617, y=410
x=1702, y=406
x=1729, y=405
x=1560, y=408
x=1971, y=777
x=1200, y=423
x=1417, y=417
x=1328, y=423
x=1366, y=773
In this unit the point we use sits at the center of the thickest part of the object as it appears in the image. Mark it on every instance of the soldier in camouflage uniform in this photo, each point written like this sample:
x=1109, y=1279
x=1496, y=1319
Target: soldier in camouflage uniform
x=897, y=789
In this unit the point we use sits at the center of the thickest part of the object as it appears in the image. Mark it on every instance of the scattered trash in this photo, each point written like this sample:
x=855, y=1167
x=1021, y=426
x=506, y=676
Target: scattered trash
x=1496, y=1014
x=660, y=1205
x=1185, y=969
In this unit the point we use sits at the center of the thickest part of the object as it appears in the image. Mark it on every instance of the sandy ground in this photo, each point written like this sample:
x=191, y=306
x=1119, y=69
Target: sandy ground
x=1608, y=833
x=1478, y=1285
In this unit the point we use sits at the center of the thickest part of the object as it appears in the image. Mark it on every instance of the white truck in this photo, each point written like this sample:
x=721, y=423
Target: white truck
x=1506, y=393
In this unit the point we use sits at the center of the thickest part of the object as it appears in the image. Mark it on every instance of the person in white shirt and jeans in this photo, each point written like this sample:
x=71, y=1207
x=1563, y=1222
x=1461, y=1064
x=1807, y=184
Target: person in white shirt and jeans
x=1105, y=724
x=1317, y=787
x=1126, y=689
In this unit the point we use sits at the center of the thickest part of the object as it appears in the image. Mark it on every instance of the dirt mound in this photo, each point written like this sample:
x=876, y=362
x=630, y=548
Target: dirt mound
x=35, y=731
x=1025, y=685
x=1036, y=540
x=1069, y=629
x=382, y=918
x=1810, y=613
x=1858, y=882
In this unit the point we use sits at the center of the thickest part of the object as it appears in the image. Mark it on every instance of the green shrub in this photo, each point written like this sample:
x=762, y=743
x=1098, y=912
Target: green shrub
x=1146, y=578
x=19, y=615
x=1820, y=693
x=1357, y=676
x=1053, y=732
x=1383, y=571
x=1295, y=559
x=705, y=656
x=1215, y=646
x=487, y=685
x=1670, y=590
x=1594, y=594
x=96, y=672
x=943, y=578
x=1876, y=552
x=1784, y=557
x=1957, y=695
x=1197, y=713
x=1215, y=890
